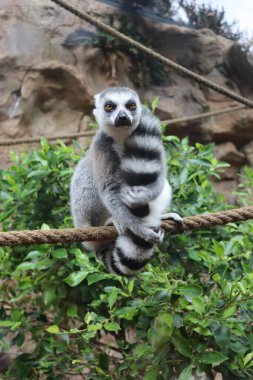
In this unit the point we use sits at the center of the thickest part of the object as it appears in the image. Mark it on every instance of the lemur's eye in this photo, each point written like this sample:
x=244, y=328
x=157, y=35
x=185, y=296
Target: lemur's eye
x=131, y=106
x=109, y=107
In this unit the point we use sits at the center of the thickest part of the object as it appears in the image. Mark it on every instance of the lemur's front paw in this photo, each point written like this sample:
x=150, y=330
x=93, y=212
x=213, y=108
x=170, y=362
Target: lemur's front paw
x=113, y=222
x=134, y=196
x=153, y=235
x=172, y=216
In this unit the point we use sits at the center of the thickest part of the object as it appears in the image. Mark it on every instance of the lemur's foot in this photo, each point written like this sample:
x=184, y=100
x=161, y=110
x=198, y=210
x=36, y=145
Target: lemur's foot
x=160, y=233
x=172, y=216
x=112, y=222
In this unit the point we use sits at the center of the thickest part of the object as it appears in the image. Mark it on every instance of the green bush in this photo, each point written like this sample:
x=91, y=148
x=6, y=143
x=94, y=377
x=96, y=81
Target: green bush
x=207, y=16
x=189, y=312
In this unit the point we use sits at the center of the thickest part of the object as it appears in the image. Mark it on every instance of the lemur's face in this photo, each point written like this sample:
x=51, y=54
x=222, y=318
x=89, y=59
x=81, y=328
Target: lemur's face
x=118, y=108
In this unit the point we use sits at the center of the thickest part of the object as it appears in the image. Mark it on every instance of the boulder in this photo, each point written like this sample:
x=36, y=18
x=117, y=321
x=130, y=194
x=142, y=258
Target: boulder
x=248, y=151
x=228, y=189
x=228, y=152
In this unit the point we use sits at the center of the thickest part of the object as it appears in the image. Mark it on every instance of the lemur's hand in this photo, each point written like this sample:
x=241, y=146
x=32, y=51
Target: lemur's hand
x=149, y=233
x=135, y=196
x=153, y=235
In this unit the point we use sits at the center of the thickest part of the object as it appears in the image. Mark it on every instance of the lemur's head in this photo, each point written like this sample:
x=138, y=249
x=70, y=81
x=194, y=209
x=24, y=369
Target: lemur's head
x=117, y=108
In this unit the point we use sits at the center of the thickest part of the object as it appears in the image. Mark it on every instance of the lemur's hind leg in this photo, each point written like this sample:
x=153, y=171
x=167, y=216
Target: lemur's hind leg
x=172, y=216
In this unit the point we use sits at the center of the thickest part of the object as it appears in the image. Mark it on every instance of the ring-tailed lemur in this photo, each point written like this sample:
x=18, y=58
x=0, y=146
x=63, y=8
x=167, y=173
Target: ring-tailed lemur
x=122, y=180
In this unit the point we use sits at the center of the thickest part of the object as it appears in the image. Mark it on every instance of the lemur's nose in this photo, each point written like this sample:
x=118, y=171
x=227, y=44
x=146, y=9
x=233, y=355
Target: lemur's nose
x=122, y=120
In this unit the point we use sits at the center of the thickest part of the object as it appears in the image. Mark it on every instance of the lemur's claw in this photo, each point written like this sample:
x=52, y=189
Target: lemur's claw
x=173, y=216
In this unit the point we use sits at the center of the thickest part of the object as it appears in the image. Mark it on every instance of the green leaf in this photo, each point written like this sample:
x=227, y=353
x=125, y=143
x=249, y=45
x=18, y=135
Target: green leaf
x=95, y=277
x=162, y=330
x=54, y=329
x=250, y=339
x=112, y=297
x=202, y=331
x=184, y=175
x=33, y=255
x=182, y=346
x=218, y=248
x=238, y=347
x=191, y=290
x=97, y=326
x=43, y=264
x=25, y=266
x=7, y=323
x=141, y=349
x=87, y=317
x=131, y=286
x=112, y=326
x=228, y=312
x=127, y=312
x=60, y=253
x=72, y=311
x=45, y=227
x=74, y=331
x=82, y=259
x=186, y=374
x=15, y=326
x=49, y=295
x=222, y=336
x=152, y=373
x=38, y=172
x=212, y=357
x=4, y=215
x=16, y=315
x=75, y=278
x=248, y=358
x=154, y=104
x=198, y=304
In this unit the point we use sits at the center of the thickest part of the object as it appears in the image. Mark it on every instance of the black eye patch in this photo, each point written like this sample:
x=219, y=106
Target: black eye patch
x=131, y=105
x=109, y=106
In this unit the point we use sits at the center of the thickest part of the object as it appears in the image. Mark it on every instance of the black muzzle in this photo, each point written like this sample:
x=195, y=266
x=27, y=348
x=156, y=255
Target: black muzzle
x=122, y=120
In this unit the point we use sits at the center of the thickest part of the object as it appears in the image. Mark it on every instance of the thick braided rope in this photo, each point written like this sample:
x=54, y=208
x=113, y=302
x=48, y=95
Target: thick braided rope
x=180, y=69
x=68, y=235
x=31, y=140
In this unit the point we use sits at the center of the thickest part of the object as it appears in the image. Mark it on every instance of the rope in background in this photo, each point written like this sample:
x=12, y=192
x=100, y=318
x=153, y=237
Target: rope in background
x=14, y=238
x=31, y=140
x=180, y=69
x=202, y=115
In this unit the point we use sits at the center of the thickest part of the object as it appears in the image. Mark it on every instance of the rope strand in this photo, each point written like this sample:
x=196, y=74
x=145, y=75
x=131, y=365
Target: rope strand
x=68, y=235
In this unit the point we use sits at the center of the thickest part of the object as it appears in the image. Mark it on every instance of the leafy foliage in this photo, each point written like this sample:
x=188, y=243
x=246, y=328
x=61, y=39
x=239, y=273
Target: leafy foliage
x=189, y=312
x=206, y=16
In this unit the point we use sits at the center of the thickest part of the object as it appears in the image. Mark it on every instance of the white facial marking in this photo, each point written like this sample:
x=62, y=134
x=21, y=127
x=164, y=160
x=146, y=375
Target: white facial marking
x=119, y=98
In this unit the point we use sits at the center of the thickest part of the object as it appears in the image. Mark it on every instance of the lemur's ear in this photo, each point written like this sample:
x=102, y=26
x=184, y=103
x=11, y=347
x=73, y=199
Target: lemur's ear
x=96, y=98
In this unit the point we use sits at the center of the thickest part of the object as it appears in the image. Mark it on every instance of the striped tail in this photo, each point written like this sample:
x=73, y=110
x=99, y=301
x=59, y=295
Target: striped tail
x=128, y=255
